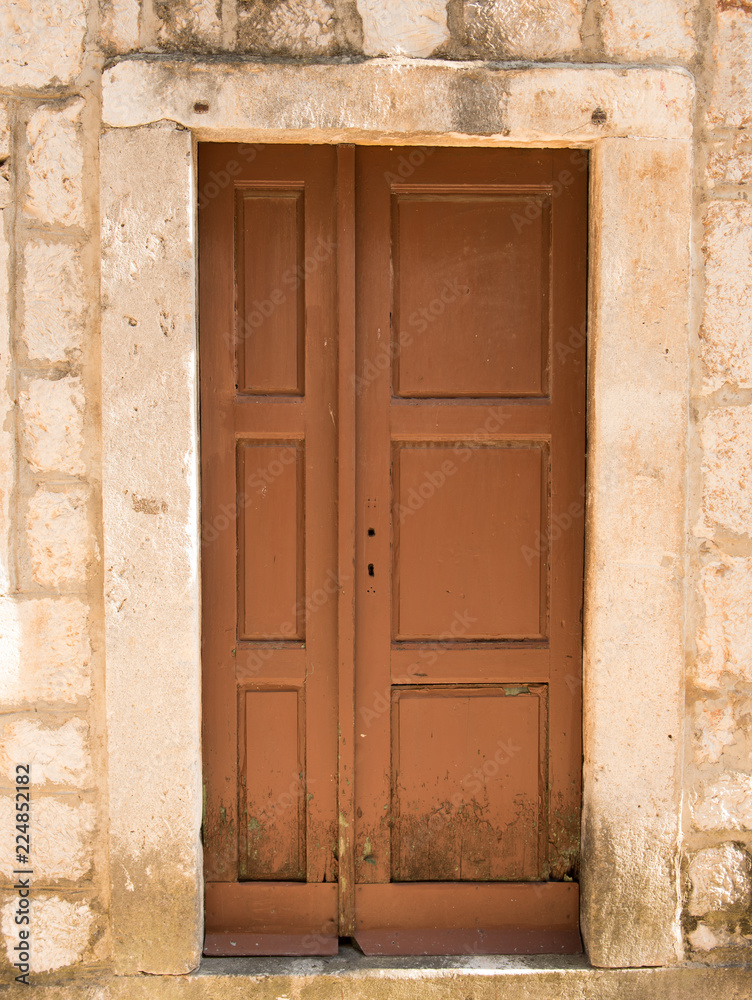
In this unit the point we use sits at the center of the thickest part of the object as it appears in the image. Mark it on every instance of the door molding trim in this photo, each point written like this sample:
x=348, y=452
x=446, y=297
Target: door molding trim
x=640, y=218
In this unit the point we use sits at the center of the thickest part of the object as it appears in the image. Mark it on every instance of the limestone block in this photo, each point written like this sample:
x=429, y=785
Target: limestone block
x=44, y=651
x=527, y=29
x=410, y=28
x=61, y=834
x=151, y=527
x=723, y=804
x=720, y=879
x=706, y=938
x=714, y=728
x=411, y=99
x=55, y=165
x=53, y=425
x=730, y=160
x=60, y=930
x=189, y=24
x=42, y=42
x=58, y=755
x=53, y=302
x=726, y=436
x=636, y=30
x=731, y=100
x=7, y=440
x=637, y=457
x=296, y=27
x=118, y=24
x=724, y=632
x=726, y=330
x=59, y=537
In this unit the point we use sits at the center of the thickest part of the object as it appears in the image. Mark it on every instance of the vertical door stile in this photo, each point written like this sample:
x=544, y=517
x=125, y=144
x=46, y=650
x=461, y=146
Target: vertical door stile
x=346, y=529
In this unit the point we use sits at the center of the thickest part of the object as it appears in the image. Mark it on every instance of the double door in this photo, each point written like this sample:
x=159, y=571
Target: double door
x=393, y=460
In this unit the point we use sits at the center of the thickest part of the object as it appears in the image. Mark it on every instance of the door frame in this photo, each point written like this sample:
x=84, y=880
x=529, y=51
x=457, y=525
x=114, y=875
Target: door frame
x=640, y=225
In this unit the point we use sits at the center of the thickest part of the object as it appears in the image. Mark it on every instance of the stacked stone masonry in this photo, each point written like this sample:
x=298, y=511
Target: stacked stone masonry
x=52, y=705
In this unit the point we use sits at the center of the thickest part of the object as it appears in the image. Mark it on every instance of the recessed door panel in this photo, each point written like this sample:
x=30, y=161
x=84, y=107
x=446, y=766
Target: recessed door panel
x=468, y=325
x=270, y=541
x=467, y=525
x=271, y=291
x=468, y=772
x=272, y=786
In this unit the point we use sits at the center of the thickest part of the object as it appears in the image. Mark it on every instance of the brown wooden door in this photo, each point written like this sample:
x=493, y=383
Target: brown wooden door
x=393, y=452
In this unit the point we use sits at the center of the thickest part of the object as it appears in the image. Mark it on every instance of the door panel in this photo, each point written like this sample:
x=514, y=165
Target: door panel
x=272, y=785
x=470, y=327
x=393, y=457
x=465, y=523
x=271, y=291
x=271, y=541
x=467, y=769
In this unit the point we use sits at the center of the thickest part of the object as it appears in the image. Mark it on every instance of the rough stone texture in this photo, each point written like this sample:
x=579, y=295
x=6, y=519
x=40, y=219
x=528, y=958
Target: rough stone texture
x=53, y=425
x=636, y=30
x=151, y=560
x=527, y=29
x=399, y=100
x=55, y=165
x=720, y=879
x=44, y=650
x=118, y=24
x=727, y=324
x=723, y=804
x=42, y=42
x=53, y=302
x=723, y=731
x=724, y=632
x=59, y=537
x=731, y=101
x=296, y=27
x=58, y=755
x=60, y=929
x=7, y=439
x=730, y=160
x=61, y=834
x=706, y=938
x=189, y=24
x=726, y=435
x=409, y=28
x=636, y=455
x=4, y=154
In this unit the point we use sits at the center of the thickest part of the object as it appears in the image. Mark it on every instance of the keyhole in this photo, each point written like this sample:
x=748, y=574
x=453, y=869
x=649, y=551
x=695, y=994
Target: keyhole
x=370, y=569
x=371, y=532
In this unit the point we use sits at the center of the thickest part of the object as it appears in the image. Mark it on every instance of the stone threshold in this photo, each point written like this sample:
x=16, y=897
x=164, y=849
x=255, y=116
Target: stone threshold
x=352, y=976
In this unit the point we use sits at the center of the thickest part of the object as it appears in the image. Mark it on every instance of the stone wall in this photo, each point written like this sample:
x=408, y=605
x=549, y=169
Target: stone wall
x=51, y=536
